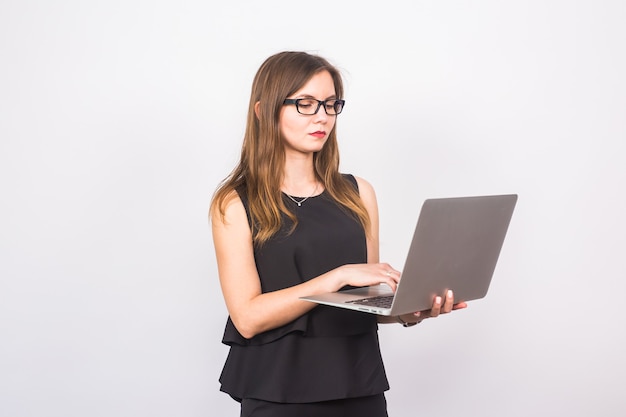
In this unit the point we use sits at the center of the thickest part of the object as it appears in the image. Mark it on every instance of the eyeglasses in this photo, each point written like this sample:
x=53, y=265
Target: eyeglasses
x=310, y=106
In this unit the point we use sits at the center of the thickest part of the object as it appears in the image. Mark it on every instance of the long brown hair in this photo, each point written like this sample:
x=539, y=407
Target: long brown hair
x=260, y=168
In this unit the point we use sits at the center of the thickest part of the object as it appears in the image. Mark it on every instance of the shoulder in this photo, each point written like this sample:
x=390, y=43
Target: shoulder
x=359, y=183
x=228, y=209
x=366, y=192
x=364, y=186
x=368, y=196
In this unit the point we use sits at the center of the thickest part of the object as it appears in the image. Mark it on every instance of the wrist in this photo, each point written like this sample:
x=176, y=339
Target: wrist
x=331, y=281
x=338, y=278
x=405, y=323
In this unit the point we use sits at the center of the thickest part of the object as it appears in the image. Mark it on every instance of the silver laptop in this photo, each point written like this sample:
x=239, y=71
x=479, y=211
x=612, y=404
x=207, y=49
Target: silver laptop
x=456, y=245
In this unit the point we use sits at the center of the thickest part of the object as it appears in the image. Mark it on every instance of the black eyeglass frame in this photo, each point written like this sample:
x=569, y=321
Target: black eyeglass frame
x=320, y=103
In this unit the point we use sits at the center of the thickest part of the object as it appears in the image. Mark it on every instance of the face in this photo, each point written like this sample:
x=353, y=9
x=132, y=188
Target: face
x=304, y=134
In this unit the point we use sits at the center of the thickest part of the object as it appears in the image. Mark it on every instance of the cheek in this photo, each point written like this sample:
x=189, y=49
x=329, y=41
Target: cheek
x=284, y=122
x=290, y=126
x=331, y=123
x=285, y=130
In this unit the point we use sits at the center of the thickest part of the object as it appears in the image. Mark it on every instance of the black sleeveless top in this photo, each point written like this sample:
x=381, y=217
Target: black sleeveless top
x=326, y=354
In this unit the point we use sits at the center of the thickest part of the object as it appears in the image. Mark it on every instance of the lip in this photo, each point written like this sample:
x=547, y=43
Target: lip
x=318, y=134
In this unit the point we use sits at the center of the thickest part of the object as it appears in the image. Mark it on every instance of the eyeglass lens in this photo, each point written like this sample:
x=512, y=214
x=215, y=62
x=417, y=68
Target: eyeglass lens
x=310, y=106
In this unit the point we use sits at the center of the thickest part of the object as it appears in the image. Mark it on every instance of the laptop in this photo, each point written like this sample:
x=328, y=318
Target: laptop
x=456, y=245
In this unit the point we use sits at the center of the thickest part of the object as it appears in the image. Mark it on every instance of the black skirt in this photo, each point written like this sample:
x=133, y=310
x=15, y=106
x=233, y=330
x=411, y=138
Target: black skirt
x=371, y=406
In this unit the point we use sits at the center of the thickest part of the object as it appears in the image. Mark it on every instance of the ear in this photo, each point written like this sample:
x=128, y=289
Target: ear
x=257, y=109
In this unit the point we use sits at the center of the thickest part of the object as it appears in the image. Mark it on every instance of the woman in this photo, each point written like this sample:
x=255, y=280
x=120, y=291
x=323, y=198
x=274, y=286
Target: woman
x=287, y=224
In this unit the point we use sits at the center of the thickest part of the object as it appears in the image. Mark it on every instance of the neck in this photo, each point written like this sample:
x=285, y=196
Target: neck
x=299, y=176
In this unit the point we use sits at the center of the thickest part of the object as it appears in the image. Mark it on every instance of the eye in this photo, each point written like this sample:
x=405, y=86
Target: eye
x=306, y=103
x=334, y=106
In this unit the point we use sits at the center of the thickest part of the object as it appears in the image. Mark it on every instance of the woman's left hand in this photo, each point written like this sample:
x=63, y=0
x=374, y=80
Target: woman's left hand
x=440, y=306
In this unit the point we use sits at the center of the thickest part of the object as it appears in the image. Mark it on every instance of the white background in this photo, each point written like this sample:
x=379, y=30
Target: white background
x=119, y=118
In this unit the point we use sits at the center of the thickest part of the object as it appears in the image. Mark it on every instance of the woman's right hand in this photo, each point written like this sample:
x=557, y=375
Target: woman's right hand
x=362, y=275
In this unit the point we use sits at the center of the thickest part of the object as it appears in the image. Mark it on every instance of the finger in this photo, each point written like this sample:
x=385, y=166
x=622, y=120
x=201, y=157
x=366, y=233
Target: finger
x=434, y=312
x=392, y=284
x=391, y=276
x=449, y=302
x=459, y=306
x=386, y=277
x=390, y=271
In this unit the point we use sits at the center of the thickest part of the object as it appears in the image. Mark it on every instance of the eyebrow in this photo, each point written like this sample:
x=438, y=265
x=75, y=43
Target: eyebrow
x=332, y=97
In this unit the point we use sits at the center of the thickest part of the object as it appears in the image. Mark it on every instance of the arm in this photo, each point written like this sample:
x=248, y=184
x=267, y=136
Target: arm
x=368, y=196
x=252, y=311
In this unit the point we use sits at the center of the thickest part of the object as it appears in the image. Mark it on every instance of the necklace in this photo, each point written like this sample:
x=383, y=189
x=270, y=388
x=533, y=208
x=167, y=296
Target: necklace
x=299, y=203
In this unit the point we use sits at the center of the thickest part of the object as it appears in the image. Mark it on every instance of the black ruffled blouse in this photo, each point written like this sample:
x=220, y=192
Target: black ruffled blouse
x=326, y=354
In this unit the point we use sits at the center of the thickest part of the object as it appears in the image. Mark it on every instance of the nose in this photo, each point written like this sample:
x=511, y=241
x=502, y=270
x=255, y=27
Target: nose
x=321, y=116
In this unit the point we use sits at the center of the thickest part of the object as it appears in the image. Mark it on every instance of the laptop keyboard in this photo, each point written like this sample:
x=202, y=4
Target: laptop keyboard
x=382, y=301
